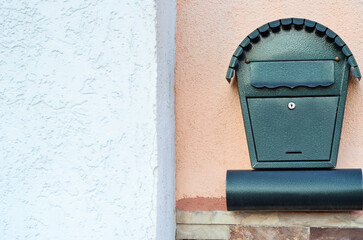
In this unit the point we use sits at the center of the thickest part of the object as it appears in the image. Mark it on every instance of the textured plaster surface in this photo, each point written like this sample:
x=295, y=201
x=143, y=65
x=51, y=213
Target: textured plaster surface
x=79, y=134
x=210, y=135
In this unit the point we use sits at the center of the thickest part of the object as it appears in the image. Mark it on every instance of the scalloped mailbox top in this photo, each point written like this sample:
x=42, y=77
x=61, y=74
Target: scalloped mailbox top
x=316, y=45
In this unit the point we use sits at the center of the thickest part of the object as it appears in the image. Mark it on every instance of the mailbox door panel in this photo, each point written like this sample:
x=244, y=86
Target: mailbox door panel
x=293, y=129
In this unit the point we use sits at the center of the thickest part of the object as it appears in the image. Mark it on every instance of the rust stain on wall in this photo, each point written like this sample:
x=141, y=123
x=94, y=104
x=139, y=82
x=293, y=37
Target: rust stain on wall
x=202, y=204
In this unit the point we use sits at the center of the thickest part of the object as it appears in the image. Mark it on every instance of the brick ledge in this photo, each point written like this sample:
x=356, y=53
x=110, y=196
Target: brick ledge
x=219, y=224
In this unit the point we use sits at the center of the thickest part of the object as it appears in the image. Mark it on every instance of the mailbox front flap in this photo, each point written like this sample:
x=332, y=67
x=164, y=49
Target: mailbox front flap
x=304, y=133
x=273, y=74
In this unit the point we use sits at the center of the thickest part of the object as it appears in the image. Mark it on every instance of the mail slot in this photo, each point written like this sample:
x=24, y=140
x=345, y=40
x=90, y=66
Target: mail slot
x=292, y=76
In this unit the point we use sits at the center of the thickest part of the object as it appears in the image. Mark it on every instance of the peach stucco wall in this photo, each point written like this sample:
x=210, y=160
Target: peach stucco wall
x=210, y=136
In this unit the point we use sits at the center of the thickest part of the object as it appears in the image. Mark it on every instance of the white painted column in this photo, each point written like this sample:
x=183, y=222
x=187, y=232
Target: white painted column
x=87, y=120
x=166, y=20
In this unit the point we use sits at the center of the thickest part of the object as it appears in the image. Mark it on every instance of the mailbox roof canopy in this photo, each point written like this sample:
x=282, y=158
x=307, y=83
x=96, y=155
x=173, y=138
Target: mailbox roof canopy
x=288, y=24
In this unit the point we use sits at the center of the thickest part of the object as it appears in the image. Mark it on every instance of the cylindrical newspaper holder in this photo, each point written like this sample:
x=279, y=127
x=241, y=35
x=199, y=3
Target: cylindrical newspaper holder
x=295, y=190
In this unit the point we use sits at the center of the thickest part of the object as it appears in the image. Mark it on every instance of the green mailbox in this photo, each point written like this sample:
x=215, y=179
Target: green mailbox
x=292, y=77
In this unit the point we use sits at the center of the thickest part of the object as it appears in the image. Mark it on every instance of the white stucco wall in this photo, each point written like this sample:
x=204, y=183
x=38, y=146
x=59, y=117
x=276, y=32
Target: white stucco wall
x=86, y=120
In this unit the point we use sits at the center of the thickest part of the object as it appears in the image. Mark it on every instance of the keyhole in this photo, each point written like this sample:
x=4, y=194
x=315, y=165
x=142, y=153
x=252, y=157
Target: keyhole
x=291, y=105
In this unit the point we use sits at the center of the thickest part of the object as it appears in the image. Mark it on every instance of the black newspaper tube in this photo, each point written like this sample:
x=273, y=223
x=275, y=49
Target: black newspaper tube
x=294, y=190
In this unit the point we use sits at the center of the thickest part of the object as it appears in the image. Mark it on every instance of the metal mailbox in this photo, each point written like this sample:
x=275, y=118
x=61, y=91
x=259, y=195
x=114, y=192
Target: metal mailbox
x=292, y=79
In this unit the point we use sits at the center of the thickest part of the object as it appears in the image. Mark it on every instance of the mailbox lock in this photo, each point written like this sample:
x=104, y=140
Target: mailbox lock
x=291, y=105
